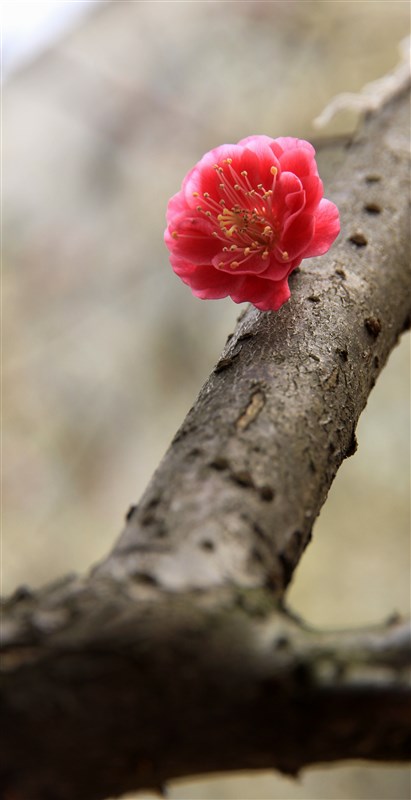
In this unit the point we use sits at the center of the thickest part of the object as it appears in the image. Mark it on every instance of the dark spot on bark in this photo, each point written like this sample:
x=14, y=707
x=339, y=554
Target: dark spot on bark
x=242, y=477
x=352, y=447
x=224, y=363
x=373, y=326
x=341, y=273
x=21, y=593
x=376, y=362
x=314, y=357
x=147, y=513
x=331, y=448
x=343, y=354
x=130, y=512
x=298, y=536
x=219, y=463
x=256, y=448
x=407, y=323
x=273, y=581
x=181, y=433
x=288, y=567
x=256, y=555
x=153, y=502
x=358, y=239
x=313, y=468
x=147, y=518
x=147, y=579
x=372, y=208
x=372, y=178
x=313, y=298
x=207, y=544
x=257, y=529
x=282, y=642
x=266, y=493
x=194, y=453
x=245, y=336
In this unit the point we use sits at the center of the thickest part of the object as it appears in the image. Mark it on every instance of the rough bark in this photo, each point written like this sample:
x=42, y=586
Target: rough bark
x=105, y=694
x=174, y=656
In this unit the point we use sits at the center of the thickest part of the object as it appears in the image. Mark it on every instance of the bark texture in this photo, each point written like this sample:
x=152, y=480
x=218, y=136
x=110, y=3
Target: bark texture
x=174, y=656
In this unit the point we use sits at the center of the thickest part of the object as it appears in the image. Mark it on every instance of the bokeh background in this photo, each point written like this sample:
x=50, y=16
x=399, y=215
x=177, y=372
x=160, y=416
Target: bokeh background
x=104, y=350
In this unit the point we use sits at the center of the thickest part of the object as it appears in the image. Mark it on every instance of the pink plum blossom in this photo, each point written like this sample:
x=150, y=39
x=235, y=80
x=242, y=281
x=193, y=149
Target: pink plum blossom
x=245, y=217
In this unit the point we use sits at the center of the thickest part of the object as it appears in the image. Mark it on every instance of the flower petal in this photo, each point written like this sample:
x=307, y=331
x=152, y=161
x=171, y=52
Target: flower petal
x=313, y=188
x=264, y=294
x=291, y=143
x=298, y=233
x=282, y=203
x=208, y=283
x=190, y=238
x=261, y=146
x=326, y=229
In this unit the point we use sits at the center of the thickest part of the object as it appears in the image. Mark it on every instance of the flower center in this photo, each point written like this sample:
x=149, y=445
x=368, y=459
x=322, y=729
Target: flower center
x=243, y=215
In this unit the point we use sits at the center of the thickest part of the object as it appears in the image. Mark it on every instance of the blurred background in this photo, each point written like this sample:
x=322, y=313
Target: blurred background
x=106, y=105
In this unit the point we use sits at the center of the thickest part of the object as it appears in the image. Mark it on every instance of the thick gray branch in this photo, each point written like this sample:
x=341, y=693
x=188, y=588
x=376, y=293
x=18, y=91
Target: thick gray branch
x=173, y=657
x=105, y=694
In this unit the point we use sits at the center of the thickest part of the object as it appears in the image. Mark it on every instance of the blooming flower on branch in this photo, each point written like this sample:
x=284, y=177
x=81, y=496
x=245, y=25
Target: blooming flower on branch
x=245, y=217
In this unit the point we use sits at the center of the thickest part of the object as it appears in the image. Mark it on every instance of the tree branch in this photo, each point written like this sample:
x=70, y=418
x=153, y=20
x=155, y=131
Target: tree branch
x=173, y=657
x=125, y=695
x=236, y=496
